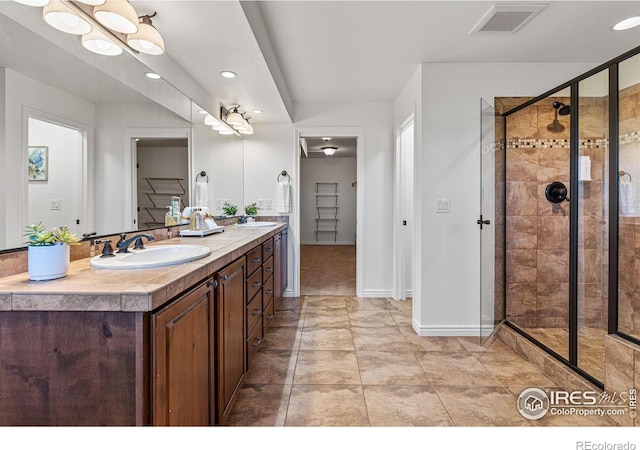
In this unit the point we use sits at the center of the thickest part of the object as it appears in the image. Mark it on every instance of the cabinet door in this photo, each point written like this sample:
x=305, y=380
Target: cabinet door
x=284, y=271
x=231, y=335
x=182, y=343
x=277, y=267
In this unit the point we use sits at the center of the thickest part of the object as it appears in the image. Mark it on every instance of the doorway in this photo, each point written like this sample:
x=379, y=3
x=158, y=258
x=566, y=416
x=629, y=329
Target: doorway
x=328, y=215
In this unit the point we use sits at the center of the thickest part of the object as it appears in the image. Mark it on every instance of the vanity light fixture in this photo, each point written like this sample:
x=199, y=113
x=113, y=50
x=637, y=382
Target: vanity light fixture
x=234, y=118
x=329, y=151
x=257, y=111
x=228, y=74
x=63, y=19
x=248, y=129
x=628, y=23
x=202, y=111
x=153, y=75
x=147, y=39
x=218, y=125
x=117, y=15
x=92, y=2
x=97, y=42
x=33, y=2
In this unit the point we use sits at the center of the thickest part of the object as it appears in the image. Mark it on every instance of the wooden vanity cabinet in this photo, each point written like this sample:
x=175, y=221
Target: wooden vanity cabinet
x=280, y=265
x=183, y=361
x=231, y=335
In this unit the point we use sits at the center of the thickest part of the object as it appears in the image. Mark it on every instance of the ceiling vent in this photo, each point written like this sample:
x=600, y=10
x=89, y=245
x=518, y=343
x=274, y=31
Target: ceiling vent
x=507, y=18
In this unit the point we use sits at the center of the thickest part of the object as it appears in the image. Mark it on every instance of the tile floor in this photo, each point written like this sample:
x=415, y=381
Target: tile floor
x=328, y=269
x=345, y=361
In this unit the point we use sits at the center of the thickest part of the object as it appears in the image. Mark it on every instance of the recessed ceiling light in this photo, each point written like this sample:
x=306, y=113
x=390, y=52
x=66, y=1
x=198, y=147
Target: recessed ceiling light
x=257, y=111
x=326, y=139
x=625, y=24
x=153, y=75
x=228, y=74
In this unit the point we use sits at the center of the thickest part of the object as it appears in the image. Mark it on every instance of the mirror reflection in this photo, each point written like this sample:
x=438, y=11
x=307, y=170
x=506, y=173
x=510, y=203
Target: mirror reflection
x=77, y=125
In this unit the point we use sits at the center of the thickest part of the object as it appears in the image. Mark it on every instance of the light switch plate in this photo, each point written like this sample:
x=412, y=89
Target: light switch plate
x=260, y=203
x=56, y=204
x=267, y=203
x=443, y=205
x=219, y=203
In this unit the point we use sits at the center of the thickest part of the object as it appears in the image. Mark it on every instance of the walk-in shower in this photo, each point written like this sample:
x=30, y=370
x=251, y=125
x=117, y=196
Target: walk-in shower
x=571, y=221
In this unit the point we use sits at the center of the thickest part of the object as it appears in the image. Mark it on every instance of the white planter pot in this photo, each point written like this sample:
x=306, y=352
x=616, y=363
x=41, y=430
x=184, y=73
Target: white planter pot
x=48, y=262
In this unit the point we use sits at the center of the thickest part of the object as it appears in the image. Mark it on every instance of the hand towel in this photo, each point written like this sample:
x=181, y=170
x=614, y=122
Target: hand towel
x=283, y=203
x=202, y=193
x=627, y=198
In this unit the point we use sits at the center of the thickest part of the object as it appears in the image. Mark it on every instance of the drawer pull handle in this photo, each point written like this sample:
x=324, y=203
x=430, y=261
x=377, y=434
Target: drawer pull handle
x=269, y=291
x=257, y=341
x=256, y=259
x=256, y=311
x=269, y=269
x=224, y=278
x=270, y=316
x=269, y=249
x=256, y=284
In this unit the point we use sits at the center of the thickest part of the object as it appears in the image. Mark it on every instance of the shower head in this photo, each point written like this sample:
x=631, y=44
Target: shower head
x=563, y=110
x=555, y=126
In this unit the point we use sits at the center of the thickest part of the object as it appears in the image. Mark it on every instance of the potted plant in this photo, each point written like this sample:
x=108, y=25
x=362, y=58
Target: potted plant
x=229, y=210
x=251, y=210
x=48, y=252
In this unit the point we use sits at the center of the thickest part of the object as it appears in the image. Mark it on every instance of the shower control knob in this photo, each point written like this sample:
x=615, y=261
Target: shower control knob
x=556, y=192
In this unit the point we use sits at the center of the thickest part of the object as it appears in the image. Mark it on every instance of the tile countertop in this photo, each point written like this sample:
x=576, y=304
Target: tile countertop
x=138, y=290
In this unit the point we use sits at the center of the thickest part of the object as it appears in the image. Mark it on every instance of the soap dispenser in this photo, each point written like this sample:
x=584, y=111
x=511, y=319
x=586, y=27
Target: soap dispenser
x=195, y=221
x=169, y=218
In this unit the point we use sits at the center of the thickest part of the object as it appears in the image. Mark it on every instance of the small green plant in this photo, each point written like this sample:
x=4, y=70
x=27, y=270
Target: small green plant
x=251, y=210
x=229, y=209
x=38, y=235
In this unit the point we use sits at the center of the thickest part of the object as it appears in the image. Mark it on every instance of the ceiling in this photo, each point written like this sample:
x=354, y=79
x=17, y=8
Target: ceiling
x=297, y=51
x=346, y=147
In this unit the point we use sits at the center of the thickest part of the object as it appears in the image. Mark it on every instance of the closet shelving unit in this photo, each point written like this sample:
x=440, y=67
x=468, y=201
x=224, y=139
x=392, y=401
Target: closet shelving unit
x=159, y=195
x=327, y=210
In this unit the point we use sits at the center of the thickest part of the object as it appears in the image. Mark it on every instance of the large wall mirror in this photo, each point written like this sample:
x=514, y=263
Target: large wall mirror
x=74, y=126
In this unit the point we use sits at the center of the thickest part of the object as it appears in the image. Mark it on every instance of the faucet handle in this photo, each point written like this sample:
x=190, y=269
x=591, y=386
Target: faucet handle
x=139, y=245
x=107, y=250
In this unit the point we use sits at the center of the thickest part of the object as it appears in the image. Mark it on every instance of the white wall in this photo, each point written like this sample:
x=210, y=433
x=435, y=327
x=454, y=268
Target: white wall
x=22, y=93
x=113, y=158
x=267, y=153
x=448, y=166
x=328, y=170
x=64, y=182
x=375, y=119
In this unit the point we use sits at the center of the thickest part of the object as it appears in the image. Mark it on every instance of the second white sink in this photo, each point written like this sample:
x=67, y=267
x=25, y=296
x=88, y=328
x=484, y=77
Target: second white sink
x=162, y=255
x=256, y=224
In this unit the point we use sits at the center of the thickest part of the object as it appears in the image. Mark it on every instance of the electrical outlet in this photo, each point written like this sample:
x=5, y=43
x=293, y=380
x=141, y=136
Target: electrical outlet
x=260, y=203
x=56, y=204
x=267, y=203
x=219, y=203
x=444, y=205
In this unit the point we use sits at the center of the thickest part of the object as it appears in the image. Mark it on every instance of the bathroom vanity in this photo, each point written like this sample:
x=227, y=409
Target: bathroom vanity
x=161, y=346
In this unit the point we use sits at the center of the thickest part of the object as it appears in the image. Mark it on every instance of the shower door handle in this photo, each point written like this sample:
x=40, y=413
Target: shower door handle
x=482, y=222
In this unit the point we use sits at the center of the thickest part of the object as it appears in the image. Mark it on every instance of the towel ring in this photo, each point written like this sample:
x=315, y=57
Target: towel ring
x=202, y=174
x=283, y=174
x=623, y=173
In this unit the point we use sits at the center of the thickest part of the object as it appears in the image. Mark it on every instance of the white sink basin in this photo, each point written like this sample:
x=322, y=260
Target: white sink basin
x=256, y=224
x=162, y=255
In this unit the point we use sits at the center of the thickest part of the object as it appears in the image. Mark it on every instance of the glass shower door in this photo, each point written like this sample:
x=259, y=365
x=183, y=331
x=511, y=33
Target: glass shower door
x=486, y=221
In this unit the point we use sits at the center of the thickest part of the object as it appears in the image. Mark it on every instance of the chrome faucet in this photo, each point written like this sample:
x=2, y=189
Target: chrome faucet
x=124, y=243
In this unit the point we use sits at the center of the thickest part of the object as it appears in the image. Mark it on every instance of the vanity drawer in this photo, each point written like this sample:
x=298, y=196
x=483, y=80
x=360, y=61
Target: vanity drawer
x=253, y=342
x=254, y=311
x=267, y=269
x=254, y=283
x=268, y=314
x=267, y=249
x=254, y=259
x=267, y=290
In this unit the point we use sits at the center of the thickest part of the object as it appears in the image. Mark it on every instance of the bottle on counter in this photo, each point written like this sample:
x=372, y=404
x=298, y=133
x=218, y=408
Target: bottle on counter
x=169, y=217
x=195, y=220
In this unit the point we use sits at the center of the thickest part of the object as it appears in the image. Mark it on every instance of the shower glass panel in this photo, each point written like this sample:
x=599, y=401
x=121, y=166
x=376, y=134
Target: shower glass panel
x=593, y=151
x=537, y=229
x=629, y=197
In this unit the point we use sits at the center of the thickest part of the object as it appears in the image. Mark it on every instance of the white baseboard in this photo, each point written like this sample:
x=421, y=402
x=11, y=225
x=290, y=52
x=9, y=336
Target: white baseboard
x=328, y=243
x=448, y=330
x=288, y=293
x=372, y=293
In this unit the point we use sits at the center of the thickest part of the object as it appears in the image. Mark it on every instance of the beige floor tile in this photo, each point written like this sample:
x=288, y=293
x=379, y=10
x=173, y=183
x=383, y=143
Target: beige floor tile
x=431, y=343
x=282, y=338
x=371, y=318
x=356, y=304
x=291, y=304
x=327, y=367
x=383, y=338
x=327, y=406
x=326, y=319
x=261, y=405
x=472, y=344
x=390, y=368
x=327, y=339
x=399, y=305
x=325, y=302
x=512, y=370
x=272, y=367
x=455, y=369
x=405, y=406
x=403, y=320
x=288, y=318
x=481, y=406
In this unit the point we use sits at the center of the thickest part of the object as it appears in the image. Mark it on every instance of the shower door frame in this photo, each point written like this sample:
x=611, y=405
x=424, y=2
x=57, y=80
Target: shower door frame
x=613, y=216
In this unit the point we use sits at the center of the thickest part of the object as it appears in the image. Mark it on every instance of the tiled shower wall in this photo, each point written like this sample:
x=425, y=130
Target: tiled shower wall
x=537, y=231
